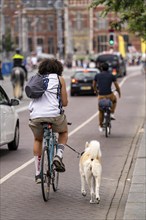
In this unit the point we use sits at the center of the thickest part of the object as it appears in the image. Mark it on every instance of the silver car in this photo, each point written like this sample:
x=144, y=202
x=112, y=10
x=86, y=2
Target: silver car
x=9, y=121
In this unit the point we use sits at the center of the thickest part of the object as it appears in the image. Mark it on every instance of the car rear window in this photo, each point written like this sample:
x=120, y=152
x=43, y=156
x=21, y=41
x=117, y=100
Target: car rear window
x=107, y=57
x=81, y=74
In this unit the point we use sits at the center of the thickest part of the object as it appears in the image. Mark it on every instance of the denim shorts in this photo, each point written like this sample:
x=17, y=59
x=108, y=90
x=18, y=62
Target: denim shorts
x=59, y=124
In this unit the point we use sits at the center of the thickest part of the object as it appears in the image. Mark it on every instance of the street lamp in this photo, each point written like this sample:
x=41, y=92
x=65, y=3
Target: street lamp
x=59, y=5
x=2, y=26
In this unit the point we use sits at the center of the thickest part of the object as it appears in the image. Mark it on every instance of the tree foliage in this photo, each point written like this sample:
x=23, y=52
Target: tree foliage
x=131, y=12
x=7, y=41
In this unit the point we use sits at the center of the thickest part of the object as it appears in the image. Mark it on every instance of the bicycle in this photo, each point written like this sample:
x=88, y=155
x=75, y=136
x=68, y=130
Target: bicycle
x=105, y=106
x=49, y=175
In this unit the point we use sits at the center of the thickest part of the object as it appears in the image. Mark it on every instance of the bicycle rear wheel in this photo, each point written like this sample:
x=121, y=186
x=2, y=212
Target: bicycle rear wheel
x=45, y=175
x=107, y=126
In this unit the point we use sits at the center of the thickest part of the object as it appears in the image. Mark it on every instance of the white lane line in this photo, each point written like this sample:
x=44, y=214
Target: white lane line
x=2, y=180
x=9, y=175
x=83, y=124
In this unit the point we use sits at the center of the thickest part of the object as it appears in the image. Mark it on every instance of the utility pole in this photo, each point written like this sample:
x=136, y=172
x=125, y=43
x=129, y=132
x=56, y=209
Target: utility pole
x=91, y=31
x=2, y=27
x=59, y=6
x=24, y=32
x=68, y=37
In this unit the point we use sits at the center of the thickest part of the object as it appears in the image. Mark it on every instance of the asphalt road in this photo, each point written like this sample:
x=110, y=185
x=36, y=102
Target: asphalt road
x=21, y=198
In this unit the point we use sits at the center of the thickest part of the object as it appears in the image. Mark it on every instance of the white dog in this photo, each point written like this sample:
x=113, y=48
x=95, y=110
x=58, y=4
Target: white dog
x=90, y=170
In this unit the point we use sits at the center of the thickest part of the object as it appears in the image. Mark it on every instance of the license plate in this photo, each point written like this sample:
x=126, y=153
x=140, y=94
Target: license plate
x=85, y=87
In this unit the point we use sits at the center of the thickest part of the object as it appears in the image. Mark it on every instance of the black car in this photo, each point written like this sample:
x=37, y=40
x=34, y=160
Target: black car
x=81, y=81
x=117, y=64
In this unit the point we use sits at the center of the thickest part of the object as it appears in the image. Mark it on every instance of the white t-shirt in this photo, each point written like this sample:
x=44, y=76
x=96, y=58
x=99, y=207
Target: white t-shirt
x=49, y=104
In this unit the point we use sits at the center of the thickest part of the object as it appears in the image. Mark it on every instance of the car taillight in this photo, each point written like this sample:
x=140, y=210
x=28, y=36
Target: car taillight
x=74, y=80
x=114, y=72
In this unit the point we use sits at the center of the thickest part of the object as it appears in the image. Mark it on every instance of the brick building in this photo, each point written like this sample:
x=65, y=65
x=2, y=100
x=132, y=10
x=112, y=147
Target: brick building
x=90, y=32
x=60, y=26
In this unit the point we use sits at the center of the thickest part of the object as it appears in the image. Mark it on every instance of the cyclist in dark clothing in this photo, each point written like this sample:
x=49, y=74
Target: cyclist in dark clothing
x=102, y=85
x=18, y=61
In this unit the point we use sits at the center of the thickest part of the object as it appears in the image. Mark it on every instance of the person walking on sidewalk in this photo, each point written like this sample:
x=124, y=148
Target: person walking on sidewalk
x=49, y=108
x=102, y=86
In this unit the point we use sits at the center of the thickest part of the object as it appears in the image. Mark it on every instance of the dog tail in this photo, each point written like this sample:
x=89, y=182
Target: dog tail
x=94, y=149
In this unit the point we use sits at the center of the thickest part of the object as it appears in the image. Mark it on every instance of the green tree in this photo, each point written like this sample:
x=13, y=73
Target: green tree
x=131, y=12
x=7, y=42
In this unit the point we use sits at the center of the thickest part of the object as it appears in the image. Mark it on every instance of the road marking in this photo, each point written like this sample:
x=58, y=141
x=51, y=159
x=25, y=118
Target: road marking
x=9, y=175
x=2, y=180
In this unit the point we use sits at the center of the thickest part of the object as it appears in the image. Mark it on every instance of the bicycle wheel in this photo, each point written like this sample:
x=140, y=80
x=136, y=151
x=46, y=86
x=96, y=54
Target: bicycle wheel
x=106, y=126
x=109, y=127
x=55, y=178
x=45, y=175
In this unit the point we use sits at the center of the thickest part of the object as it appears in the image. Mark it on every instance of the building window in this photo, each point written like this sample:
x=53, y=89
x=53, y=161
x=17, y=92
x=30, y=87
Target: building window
x=30, y=48
x=16, y=24
x=101, y=23
x=51, y=46
x=40, y=42
x=39, y=24
x=79, y=25
x=16, y=41
x=30, y=23
x=102, y=43
x=51, y=24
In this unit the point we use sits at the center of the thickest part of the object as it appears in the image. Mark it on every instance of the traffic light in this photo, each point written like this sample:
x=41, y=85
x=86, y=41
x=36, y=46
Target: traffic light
x=111, y=38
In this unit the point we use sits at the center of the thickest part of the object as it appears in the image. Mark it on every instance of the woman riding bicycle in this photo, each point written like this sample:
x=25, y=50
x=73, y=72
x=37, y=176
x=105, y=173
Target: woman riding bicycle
x=102, y=85
x=48, y=108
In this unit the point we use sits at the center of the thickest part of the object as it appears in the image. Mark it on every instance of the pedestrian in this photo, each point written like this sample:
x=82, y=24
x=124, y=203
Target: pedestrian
x=49, y=108
x=1, y=75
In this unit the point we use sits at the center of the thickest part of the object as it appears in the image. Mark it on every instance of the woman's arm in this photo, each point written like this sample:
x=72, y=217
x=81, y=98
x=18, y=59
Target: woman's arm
x=64, y=97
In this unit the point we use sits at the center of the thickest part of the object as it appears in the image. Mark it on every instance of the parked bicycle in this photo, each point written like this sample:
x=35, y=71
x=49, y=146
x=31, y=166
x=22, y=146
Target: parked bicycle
x=105, y=106
x=49, y=175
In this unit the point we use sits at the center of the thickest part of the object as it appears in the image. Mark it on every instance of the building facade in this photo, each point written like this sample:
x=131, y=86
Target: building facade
x=90, y=31
x=60, y=27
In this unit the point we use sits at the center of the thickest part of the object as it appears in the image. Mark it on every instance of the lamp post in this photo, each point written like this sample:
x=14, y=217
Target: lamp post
x=59, y=5
x=2, y=27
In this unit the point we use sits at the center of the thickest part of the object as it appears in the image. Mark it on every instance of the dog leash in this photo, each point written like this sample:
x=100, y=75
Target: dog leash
x=74, y=150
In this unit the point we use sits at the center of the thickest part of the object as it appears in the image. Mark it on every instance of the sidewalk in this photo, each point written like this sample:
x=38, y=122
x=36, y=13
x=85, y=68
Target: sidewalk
x=136, y=204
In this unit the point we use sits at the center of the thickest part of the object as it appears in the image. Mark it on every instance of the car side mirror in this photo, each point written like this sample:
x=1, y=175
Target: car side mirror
x=14, y=102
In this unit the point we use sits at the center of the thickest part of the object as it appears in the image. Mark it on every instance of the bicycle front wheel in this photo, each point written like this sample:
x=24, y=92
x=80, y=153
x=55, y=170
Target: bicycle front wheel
x=45, y=175
x=55, y=180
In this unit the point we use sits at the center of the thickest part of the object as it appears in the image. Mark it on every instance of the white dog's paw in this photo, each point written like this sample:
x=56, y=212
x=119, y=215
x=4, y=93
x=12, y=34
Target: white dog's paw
x=84, y=193
x=92, y=201
x=98, y=200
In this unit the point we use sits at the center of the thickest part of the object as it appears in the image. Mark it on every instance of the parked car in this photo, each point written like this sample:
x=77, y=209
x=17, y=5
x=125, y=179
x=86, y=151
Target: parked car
x=117, y=64
x=9, y=123
x=81, y=81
